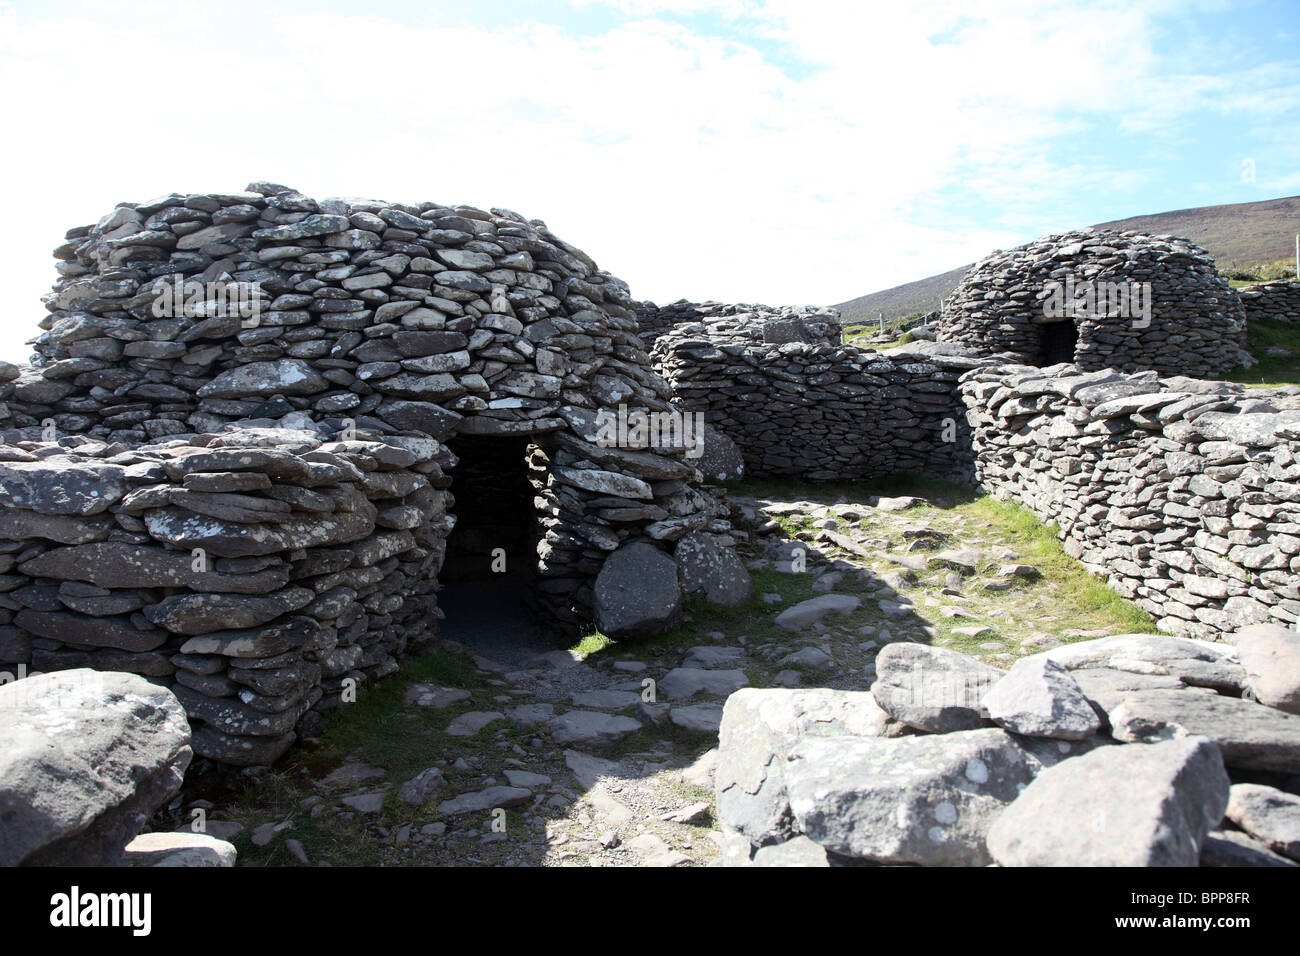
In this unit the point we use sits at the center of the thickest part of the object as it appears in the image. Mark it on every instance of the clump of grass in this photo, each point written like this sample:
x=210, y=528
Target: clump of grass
x=591, y=643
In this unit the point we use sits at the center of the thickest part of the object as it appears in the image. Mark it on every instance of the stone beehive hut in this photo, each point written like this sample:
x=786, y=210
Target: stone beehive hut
x=255, y=504
x=1032, y=302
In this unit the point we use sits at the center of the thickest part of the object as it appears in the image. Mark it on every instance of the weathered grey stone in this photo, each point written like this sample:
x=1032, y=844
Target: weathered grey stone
x=179, y=849
x=1149, y=648
x=712, y=571
x=471, y=722
x=797, y=851
x=637, y=593
x=1271, y=656
x=720, y=459
x=931, y=688
x=283, y=377
x=812, y=610
x=431, y=695
x=66, y=489
x=711, y=656
x=923, y=800
x=114, y=564
x=1230, y=848
x=759, y=727
x=204, y=613
x=87, y=758
x=1107, y=687
x=1269, y=815
x=1250, y=736
x=589, y=728
x=423, y=787
x=481, y=800
x=683, y=683
x=1039, y=698
x=697, y=718
x=1148, y=805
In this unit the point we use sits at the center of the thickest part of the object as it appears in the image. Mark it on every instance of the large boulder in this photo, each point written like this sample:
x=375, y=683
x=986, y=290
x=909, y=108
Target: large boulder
x=931, y=688
x=87, y=756
x=1146, y=805
x=1270, y=654
x=637, y=593
x=926, y=800
x=712, y=571
x=759, y=727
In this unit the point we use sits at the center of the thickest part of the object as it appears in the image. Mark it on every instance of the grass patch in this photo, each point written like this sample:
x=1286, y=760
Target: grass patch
x=1272, y=370
x=377, y=730
x=1070, y=582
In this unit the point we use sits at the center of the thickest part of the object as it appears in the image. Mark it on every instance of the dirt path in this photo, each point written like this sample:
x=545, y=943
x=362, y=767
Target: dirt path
x=500, y=750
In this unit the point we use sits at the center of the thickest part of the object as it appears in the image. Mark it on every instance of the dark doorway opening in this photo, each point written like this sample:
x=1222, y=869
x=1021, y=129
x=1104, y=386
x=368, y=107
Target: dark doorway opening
x=488, y=573
x=495, y=518
x=1058, y=342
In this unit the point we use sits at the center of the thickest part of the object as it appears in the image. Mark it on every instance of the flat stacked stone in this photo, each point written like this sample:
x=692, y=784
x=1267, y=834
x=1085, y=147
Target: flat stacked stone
x=253, y=572
x=1185, y=494
x=818, y=323
x=1196, y=324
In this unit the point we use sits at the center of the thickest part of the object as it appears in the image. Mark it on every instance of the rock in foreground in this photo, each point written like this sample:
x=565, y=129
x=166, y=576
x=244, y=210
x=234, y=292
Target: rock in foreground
x=87, y=757
x=1117, y=806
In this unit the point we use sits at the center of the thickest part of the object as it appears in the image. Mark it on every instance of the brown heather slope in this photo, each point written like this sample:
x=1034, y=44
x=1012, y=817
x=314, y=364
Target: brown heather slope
x=1236, y=234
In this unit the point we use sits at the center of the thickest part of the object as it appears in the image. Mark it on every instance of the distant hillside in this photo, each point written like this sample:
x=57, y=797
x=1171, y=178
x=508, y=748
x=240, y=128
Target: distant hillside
x=1236, y=234
x=923, y=295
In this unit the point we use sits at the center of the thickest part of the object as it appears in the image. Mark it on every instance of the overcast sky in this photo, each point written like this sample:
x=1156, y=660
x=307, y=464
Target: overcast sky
x=778, y=151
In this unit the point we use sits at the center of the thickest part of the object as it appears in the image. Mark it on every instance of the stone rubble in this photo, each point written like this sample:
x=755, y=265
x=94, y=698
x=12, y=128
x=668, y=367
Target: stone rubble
x=831, y=767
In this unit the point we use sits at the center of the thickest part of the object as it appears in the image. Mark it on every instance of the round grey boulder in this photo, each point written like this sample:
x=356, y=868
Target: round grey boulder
x=637, y=594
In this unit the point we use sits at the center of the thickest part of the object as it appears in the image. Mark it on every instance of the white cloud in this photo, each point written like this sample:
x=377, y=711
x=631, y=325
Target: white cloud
x=690, y=163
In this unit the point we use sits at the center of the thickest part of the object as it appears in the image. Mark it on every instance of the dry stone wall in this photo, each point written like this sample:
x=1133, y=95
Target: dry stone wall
x=253, y=572
x=1277, y=301
x=1184, y=493
x=1194, y=325
x=817, y=410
